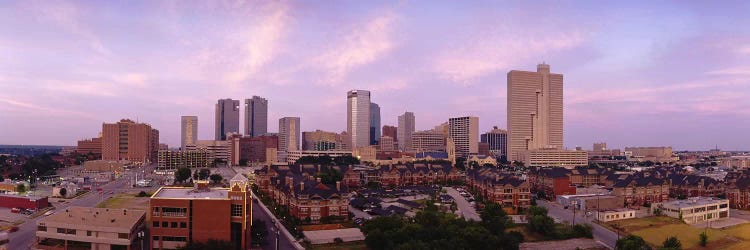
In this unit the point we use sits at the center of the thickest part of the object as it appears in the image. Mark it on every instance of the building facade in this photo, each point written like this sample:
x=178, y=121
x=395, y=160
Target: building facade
x=511, y=192
x=535, y=111
x=551, y=157
x=129, y=140
x=256, y=116
x=406, y=126
x=654, y=154
x=465, y=134
x=93, y=145
x=358, y=117
x=92, y=228
x=695, y=210
x=173, y=159
x=497, y=140
x=219, y=149
x=427, y=140
x=374, y=123
x=386, y=143
x=189, y=131
x=320, y=140
x=227, y=118
x=289, y=136
x=391, y=131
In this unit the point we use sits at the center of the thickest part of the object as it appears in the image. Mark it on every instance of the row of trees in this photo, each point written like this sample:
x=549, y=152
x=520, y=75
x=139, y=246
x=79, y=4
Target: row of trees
x=327, y=160
x=183, y=174
x=634, y=242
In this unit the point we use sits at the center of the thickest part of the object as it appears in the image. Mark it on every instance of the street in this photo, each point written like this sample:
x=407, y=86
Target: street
x=601, y=234
x=260, y=214
x=467, y=210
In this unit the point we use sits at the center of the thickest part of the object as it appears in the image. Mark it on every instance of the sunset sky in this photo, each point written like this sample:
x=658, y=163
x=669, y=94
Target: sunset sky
x=649, y=73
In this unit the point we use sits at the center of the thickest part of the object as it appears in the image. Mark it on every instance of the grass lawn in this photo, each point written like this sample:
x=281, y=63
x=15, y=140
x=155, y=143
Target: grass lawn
x=125, y=200
x=688, y=235
x=741, y=231
x=656, y=229
x=355, y=245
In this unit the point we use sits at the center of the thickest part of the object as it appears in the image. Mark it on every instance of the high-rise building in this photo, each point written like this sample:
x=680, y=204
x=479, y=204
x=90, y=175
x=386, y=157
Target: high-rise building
x=497, y=140
x=320, y=140
x=227, y=118
x=189, y=131
x=358, y=117
x=155, y=145
x=129, y=140
x=535, y=110
x=93, y=146
x=374, y=123
x=390, y=131
x=465, y=134
x=219, y=149
x=427, y=141
x=386, y=143
x=406, y=126
x=256, y=116
x=289, y=136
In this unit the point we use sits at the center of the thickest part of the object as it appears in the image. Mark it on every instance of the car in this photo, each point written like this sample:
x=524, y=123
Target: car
x=13, y=229
x=15, y=210
x=49, y=213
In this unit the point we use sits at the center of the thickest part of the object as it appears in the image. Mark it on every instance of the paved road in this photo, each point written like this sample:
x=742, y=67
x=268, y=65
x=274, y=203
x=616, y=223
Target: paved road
x=25, y=236
x=467, y=210
x=284, y=243
x=601, y=234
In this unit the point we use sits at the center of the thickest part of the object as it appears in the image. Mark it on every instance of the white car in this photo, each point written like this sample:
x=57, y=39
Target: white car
x=49, y=213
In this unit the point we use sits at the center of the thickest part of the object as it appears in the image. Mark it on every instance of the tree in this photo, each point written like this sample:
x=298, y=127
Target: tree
x=203, y=174
x=460, y=162
x=2, y=178
x=243, y=162
x=259, y=231
x=181, y=175
x=21, y=188
x=632, y=242
x=671, y=243
x=63, y=192
x=216, y=178
x=494, y=218
x=539, y=222
x=703, y=239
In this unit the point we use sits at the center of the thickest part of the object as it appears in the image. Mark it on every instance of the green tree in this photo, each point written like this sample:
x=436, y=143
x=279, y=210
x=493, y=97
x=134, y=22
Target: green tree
x=671, y=243
x=539, y=222
x=494, y=218
x=460, y=162
x=21, y=188
x=632, y=242
x=259, y=232
x=216, y=178
x=703, y=239
x=202, y=174
x=181, y=175
x=243, y=162
x=63, y=192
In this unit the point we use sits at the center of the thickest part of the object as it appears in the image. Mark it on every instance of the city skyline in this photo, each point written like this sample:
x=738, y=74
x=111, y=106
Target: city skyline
x=628, y=82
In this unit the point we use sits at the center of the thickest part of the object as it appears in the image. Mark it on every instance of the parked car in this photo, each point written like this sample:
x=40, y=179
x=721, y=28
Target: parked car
x=13, y=229
x=15, y=210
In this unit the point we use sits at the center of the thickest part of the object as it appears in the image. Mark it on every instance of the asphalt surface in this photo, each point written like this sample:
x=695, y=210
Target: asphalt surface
x=601, y=234
x=467, y=210
x=260, y=214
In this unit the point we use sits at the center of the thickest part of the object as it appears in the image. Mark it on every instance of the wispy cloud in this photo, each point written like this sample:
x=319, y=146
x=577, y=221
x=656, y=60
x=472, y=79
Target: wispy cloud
x=67, y=15
x=13, y=105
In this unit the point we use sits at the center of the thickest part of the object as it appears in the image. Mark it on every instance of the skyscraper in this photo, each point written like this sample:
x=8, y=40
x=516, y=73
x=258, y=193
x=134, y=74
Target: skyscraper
x=535, y=111
x=358, y=117
x=465, y=134
x=129, y=140
x=289, y=136
x=189, y=131
x=227, y=118
x=497, y=140
x=406, y=126
x=256, y=116
x=374, y=123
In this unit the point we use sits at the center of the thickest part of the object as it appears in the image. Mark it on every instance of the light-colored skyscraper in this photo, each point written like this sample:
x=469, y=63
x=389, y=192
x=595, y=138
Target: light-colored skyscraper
x=256, y=116
x=465, y=134
x=374, y=123
x=227, y=118
x=406, y=126
x=535, y=111
x=358, y=117
x=289, y=136
x=189, y=131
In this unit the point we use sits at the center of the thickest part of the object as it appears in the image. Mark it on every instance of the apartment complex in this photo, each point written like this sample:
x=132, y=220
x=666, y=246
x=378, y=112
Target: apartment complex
x=497, y=141
x=427, y=140
x=289, y=136
x=535, y=111
x=188, y=131
x=511, y=192
x=93, y=145
x=406, y=126
x=465, y=134
x=256, y=116
x=374, y=123
x=358, y=117
x=181, y=215
x=129, y=140
x=227, y=118
x=173, y=159
x=92, y=228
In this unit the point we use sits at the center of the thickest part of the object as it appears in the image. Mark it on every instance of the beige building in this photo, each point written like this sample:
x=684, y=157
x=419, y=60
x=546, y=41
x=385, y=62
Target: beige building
x=615, y=214
x=736, y=162
x=129, y=140
x=654, y=154
x=220, y=149
x=367, y=153
x=406, y=127
x=358, y=117
x=465, y=134
x=185, y=158
x=386, y=143
x=428, y=140
x=695, y=209
x=289, y=136
x=551, y=157
x=293, y=156
x=92, y=228
x=188, y=131
x=323, y=140
x=535, y=111
x=105, y=166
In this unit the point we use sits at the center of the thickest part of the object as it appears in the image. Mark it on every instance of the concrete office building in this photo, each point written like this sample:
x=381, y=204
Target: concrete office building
x=551, y=157
x=358, y=117
x=465, y=134
x=293, y=156
x=406, y=126
x=129, y=140
x=386, y=143
x=390, y=131
x=173, y=159
x=92, y=228
x=427, y=141
x=289, y=136
x=535, y=111
x=219, y=149
x=227, y=118
x=256, y=116
x=189, y=131
x=181, y=215
x=374, y=123
x=93, y=145
x=695, y=209
x=497, y=140
x=320, y=140
x=654, y=154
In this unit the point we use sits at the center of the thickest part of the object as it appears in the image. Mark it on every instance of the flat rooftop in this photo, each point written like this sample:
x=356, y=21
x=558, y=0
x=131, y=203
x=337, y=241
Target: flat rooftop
x=191, y=193
x=124, y=219
x=692, y=202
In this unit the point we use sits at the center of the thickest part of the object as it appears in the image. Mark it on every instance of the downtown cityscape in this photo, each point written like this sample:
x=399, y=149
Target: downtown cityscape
x=403, y=125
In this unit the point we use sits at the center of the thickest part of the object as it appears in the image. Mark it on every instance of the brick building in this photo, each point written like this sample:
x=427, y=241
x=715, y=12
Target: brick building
x=511, y=192
x=641, y=189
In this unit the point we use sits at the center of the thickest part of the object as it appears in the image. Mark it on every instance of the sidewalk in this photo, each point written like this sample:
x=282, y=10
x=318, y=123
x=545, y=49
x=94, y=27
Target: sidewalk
x=278, y=224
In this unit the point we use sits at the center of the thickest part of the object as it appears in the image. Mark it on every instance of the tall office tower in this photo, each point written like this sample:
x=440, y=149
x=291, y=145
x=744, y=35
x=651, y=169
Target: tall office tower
x=155, y=145
x=405, y=129
x=465, y=134
x=535, y=111
x=358, y=117
x=497, y=140
x=390, y=131
x=289, y=136
x=374, y=123
x=256, y=116
x=189, y=131
x=128, y=140
x=227, y=118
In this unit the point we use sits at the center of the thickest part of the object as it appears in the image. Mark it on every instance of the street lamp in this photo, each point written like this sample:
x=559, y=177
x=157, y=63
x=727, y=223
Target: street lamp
x=574, y=210
x=276, y=230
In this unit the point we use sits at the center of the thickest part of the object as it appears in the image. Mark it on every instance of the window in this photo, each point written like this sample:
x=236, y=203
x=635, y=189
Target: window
x=236, y=210
x=88, y=233
x=156, y=237
x=156, y=224
x=174, y=225
x=174, y=211
x=164, y=224
x=122, y=235
x=173, y=238
x=156, y=211
x=61, y=230
x=41, y=228
x=183, y=225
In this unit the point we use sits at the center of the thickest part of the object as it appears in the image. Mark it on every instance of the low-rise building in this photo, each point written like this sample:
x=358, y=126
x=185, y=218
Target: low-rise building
x=92, y=228
x=26, y=202
x=638, y=190
x=294, y=155
x=551, y=157
x=615, y=214
x=511, y=192
x=116, y=167
x=172, y=159
x=653, y=154
x=220, y=149
x=695, y=209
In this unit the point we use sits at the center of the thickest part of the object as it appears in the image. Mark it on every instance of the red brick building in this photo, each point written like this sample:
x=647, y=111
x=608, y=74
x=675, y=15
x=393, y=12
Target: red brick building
x=93, y=145
x=26, y=202
x=511, y=192
x=551, y=182
x=641, y=189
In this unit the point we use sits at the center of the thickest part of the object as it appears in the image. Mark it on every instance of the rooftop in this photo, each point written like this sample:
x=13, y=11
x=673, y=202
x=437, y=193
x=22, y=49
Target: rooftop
x=96, y=217
x=695, y=201
x=191, y=193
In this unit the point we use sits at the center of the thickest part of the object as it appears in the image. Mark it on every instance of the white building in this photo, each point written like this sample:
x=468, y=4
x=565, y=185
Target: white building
x=293, y=156
x=220, y=149
x=404, y=131
x=465, y=134
x=358, y=117
x=189, y=131
x=615, y=214
x=695, y=209
x=289, y=136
